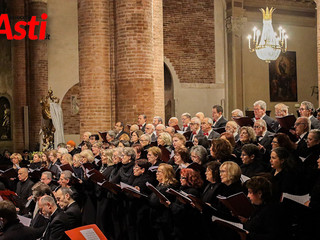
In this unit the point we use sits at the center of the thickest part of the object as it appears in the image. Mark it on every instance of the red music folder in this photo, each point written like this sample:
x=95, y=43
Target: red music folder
x=88, y=232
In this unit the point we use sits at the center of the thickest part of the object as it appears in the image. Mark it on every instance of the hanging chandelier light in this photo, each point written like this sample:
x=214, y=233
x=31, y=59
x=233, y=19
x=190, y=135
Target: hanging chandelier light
x=268, y=45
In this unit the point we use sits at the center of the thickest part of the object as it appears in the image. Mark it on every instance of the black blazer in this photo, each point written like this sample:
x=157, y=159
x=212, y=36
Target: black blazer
x=272, y=124
x=74, y=215
x=15, y=230
x=315, y=124
x=220, y=123
x=57, y=226
x=213, y=135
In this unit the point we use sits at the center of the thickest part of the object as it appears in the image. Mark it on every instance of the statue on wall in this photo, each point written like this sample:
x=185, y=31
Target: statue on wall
x=5, y=116
x=48, y=129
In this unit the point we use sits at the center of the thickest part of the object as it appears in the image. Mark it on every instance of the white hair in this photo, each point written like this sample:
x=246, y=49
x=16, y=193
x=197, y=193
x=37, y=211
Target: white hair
x=261, y=103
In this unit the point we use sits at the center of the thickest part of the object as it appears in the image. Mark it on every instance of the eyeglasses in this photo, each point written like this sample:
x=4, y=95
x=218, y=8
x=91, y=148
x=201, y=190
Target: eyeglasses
x=274, y=142
x=183, y=178
x=255, y=127
x=302, y=109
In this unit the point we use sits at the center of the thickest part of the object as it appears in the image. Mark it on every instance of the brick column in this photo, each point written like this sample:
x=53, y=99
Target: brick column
x=139, y=59
x=318, y=46
x=38, y=73
x=94, y=66
x=17, y=9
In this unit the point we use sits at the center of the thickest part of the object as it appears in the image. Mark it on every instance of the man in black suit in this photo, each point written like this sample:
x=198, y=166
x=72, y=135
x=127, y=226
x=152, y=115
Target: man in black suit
x=233, y=127
x=302, y=127
x=218, y=120
x=264, y=138
x=157, y=120
x=119, y=129
x=186, y=119
x=69, y=206
x=11, y=226
x=46, y=178
x=150, y=132
x=260, y=108
x=206, y=127
x=306, y=110
x=142, y=122
x=58, y=220
x=195, y=128
x=24, y=185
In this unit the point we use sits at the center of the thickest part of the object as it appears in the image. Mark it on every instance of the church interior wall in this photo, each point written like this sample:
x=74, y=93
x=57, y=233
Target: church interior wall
x=303, y=41
x=6, y=78
x=63, y=60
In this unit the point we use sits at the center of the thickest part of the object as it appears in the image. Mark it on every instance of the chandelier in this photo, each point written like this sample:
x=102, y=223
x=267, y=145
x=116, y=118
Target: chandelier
x=268, y=45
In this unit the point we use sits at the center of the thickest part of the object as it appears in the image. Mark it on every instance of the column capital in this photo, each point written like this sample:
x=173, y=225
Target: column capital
x=235, y=24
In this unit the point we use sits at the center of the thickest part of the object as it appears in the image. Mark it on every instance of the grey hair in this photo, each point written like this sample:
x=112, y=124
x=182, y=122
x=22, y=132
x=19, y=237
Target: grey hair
x=47, y=174
x=261, y=103
x=308, y=105
x=66, y=190
x=48, y=199
x=188, y=115
x=112, y=133
x=149, y=124
x=146, y=137
x=129, y=151
x=316, y=132
x=159, y=118
x=196, y=120
x=238, y=112
x=67, y=174
x=200, y=151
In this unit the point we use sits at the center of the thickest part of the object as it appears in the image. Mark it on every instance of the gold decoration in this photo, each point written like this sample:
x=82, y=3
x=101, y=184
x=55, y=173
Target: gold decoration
x=267, y=14
x=48, y=128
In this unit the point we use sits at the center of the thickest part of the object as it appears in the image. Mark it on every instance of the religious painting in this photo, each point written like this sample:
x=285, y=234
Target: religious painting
x=5, y=119
x=74, y=105
x=283, y=78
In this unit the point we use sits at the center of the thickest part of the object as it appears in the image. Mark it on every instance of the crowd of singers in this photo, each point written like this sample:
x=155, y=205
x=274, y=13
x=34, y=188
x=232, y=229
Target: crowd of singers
x=194, y=159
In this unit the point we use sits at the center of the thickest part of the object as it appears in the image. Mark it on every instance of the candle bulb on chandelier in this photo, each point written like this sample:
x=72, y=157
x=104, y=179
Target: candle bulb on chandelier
x=285, y=41
x=280, y=33
x=254, y=33
x=258, y=35
x=249, y=40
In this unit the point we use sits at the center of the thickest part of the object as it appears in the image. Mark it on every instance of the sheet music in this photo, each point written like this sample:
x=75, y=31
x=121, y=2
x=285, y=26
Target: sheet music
x=89, y=234
x=302, y=199
x=153, y=168
x=24, y=220
x=244, y=178
x=238, y=225
x=124, y=185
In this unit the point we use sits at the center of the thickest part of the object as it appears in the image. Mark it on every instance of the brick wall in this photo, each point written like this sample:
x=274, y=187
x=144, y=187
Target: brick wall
x=71, y=118
x=38, y=75
x=94, y=65
x=137, y=59
x=189, y=39
x=19, y=80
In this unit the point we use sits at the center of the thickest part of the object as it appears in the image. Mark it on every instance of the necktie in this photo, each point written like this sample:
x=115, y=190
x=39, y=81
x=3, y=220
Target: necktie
x=194, y=133
x=206, y=134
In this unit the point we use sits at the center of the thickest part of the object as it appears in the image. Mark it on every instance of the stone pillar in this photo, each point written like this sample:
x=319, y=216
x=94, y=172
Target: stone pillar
x=38, y=73
x=234, y=23
x=139, y=59
x=318, y=46
x=17, y=9
x=94, y=66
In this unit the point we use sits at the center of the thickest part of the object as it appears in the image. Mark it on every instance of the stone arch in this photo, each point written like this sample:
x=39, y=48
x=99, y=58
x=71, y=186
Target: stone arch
x=175, y=84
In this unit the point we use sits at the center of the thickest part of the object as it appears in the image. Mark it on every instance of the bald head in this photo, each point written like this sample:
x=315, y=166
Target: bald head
x=23, y=174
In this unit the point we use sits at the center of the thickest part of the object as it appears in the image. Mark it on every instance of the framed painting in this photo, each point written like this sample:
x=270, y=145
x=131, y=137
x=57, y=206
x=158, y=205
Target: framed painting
x=283, y=78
